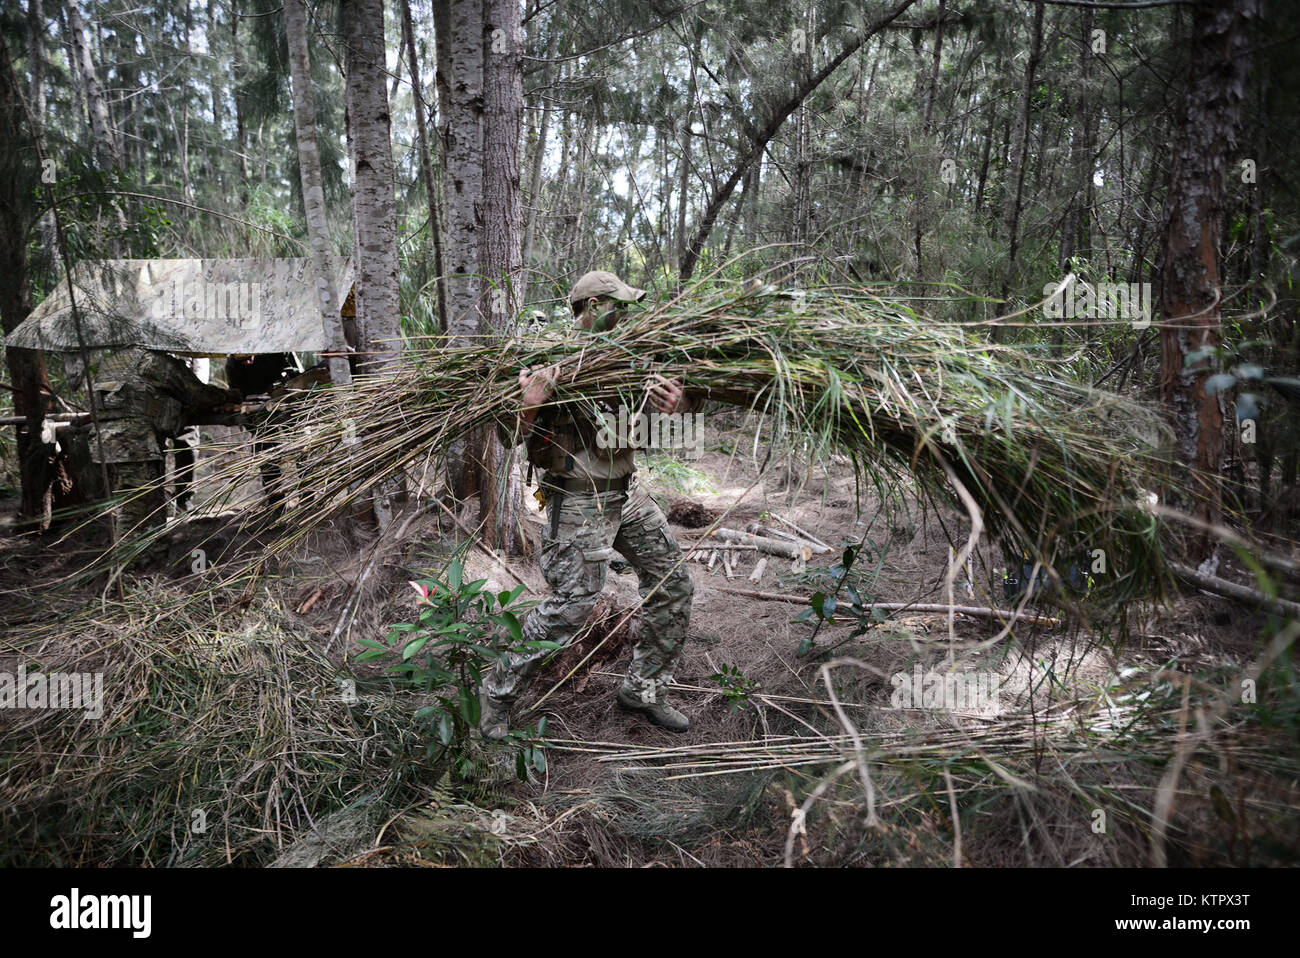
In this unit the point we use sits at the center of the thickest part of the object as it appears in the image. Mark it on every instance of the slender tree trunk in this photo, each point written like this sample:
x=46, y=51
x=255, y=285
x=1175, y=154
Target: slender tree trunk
x=101, y=127
x=36, y=54
x=313, y=192
x=464, y=170
x=426, y=166
x=374, y=206
x=931, y=92
x=241, y=131
x=462, y=68
x=499, y=245
x=26, y=369
x=74, y=74
x=1190, y=290
x=1019, y=155
x=539, y=148
x=500, y=489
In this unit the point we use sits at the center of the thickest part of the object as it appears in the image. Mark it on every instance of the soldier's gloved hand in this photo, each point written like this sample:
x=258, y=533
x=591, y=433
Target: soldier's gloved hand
x=667, y=395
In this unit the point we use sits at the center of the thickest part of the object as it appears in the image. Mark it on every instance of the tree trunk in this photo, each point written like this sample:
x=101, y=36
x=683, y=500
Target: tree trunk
x=241, y=131
x=464, y=170
x=74, y=76
x=313, y=192
x=36, y=54
x=463, y=189
x=374, y=206
x=1190, y=293
x=426, y=166
x=539, y=149
x=1019, y=156
x=101, y=127
x=18, y=178
x=500, y=491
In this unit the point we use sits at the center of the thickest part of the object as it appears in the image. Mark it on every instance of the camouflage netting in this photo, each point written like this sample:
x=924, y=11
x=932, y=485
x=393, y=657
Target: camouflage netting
x=193, y=306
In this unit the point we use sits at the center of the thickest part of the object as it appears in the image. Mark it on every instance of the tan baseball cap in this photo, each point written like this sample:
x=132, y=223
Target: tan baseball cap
x=601, y=283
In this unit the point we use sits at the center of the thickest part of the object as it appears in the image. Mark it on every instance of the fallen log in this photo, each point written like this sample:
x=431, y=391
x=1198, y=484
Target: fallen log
x=774, y=547
x=1236, y=592
x=985, y=612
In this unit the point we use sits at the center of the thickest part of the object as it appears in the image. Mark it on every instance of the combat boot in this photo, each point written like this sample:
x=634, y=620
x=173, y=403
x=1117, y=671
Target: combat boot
x=493, y=717
x=646, y=696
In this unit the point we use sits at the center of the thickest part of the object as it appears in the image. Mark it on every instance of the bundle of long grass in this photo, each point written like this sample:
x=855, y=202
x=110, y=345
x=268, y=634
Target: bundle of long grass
x=1052, y=468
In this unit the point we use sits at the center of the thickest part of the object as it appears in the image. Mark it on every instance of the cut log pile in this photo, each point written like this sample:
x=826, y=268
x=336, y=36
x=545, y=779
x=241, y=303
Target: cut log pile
x=724, y=548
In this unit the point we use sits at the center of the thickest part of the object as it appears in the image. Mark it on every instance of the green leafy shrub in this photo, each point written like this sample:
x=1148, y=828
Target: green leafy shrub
x=461, y=631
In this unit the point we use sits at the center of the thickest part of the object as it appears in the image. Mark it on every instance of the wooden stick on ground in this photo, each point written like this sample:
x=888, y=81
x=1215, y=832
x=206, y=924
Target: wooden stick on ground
x=985, y=612
x=807, y=535
x=758, y=529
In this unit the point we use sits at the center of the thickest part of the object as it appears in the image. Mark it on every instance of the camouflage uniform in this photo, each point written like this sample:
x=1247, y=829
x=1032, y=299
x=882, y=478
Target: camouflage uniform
x=590, y=527
x=143, y=396
x=595, y=507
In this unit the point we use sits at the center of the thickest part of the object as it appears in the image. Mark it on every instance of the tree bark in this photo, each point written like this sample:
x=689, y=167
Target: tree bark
x=18, y=176
x=1019, y=155
x=539, y=149
x=464, y=170
x=101, y=127
x=500, y=264
x=1190, y=293
x=426, y=166
x=374, y=206
x=313, y=192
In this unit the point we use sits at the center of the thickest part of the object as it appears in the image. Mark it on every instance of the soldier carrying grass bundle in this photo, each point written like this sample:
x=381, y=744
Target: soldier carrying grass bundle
x=595, y=507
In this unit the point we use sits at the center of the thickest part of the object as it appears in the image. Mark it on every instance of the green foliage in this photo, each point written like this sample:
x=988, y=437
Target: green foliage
x=98, y=220
x=736, y=686
x=459, y=635
x=677, y=474
x=823, y=606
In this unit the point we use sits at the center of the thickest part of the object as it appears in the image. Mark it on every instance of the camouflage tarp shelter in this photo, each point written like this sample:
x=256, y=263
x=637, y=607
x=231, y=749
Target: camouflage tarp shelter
x=196, y=307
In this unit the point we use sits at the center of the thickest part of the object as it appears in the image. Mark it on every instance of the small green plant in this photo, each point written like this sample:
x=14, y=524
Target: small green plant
x=736, y=686
x=823, y=605
x=461, y=632
x=675, y=473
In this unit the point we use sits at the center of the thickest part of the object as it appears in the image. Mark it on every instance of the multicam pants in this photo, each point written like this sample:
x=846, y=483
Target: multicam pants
x=144, y=497
x=590, y=528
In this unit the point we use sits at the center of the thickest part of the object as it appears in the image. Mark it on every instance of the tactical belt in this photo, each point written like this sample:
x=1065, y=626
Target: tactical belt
x=580, y=486
x=557, y=487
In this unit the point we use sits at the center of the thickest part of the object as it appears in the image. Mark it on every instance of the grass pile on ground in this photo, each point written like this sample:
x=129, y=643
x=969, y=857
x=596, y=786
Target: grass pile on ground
x=225, y=738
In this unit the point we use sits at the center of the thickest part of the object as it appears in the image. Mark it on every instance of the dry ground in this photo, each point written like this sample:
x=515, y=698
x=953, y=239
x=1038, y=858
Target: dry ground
x=1023, y=792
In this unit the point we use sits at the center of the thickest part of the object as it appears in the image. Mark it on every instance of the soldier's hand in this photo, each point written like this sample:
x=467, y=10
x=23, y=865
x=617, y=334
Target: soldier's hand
x=537, y=386
x=667, y=395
